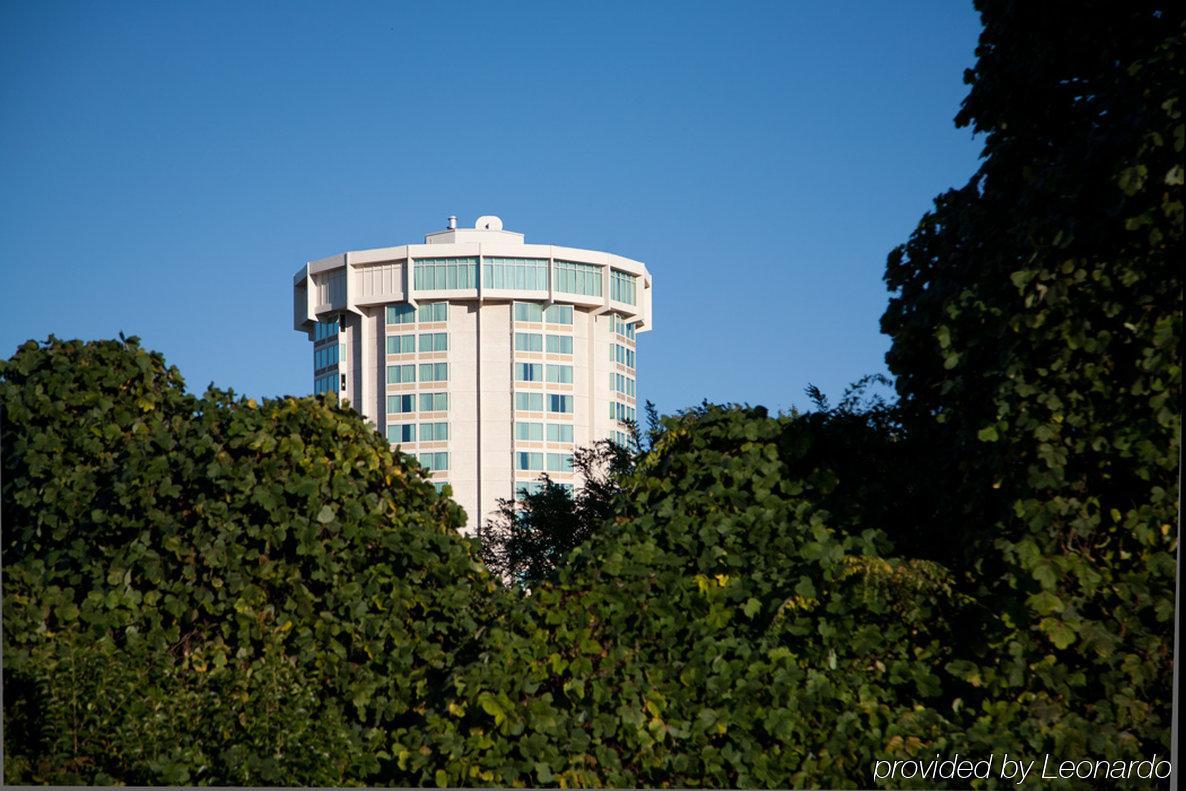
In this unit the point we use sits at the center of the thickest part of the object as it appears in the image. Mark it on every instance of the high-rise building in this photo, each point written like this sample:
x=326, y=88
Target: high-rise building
x=488, y=358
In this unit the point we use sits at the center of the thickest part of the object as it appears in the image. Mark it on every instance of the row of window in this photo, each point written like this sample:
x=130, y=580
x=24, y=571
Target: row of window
x=446, y=274
x=620, y=411
x=325, y=329
x=428, y=311
x=429, y=372
x=535, y=487
x=533, y=311
x=517, y=273
x=327, y=383
x=620, y=354
x=429, y=432
x=534, y=402
x=570, y=277
x=621, y=286
x=620, y=383
x=325, y=356
x=556, y=432
x=429, y=342
x=429, y=402
x=556, y=462
x=539, y=372
x=535, y=342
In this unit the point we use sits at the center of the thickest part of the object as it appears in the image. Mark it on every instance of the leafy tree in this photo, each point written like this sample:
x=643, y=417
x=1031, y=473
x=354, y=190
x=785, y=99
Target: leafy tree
x=210, y=589
x=530, y=538
x=1037, y=327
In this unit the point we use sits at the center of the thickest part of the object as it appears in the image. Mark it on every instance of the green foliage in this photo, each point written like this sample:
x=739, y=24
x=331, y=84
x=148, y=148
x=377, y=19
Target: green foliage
x=271, y=565
x=530, y=538
x=1037, y=329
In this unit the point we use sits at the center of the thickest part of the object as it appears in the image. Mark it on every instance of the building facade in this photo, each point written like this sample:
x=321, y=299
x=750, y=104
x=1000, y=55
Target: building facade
x=487, y=358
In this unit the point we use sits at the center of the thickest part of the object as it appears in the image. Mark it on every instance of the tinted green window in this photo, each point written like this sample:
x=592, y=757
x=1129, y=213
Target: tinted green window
x=559, y=462
x=570, y=277
x=399, y=404
x=400, y=314
x=529, y=431
x=529, y=342
x=398, y=374
x=446, y=274
x=515, y=273
x=560, y=374
x=434, y=372
x=529, y=461
x=558, y=314
x=402, y=432
x=528, y=311
x=529, y=372
x=433, y=311
x=560, y=344
x=559, y=403
x=401, y=344
x=434, y=432
x=434, y=461
x=434, y=341
x=559, y=432
x=529, y=402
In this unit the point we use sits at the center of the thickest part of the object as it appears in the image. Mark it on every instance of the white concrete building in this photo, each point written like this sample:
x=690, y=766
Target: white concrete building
x=488, y=358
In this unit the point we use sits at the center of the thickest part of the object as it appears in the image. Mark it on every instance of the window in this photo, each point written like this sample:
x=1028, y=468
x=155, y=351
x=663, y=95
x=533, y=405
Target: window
x=559, y=462
x=434, y=402
x=446, y=274
x=325, y=329
x=434, y=372
x=621, y=286
x=434, y=432
x=325, y=356
x=434, y=341
x=328, y=383
x=558, y=314
x=517, y=273
x=528, y=311
x=439, y=485
x=620, y=411
x=560, y=374
x=529, y=431
x=401, y=344
x=433, y=311
x=528, y=487
x=401, y=314
x=619, y=353
x=529, y=372
x=402, y=432
x=529, y=402
x=398, y=374
x=621, y=327
x=401, y=404
x=434, y=461
x=529, y=461
x=559, y=403
x=621, y=383
x=529, y=342
x=560, y=344
x=559, y=432
x=570, y=277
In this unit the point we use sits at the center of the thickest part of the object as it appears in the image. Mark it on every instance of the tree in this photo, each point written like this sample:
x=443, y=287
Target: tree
x=214, y=590
x=531, y=537
x=1037, y=325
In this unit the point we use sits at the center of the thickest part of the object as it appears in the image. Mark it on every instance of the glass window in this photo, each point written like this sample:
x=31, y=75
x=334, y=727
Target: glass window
x=434, y=341
x=446, y=274
x=558, y=314
x=529, y=342
x=398, y=374
x=559, y=462
x=525, y=488
x=559, y=403
x=516, y=273
x=434, y=372
x=529, y=402
x=529, y=372
x=434, y=432
x=560, y=374
x=570, y=277
x=528, y=311
x=433, y=311
x=559, y=432
x=560, y=344
x=621, y=286
x=439, y=485
x=434, y=402
x=434, y=461
x=529, y=431
x=401, y=432
x=400, y=404
x=326, y=329
x=401, y=314
x=401, y=344
x=529, y=461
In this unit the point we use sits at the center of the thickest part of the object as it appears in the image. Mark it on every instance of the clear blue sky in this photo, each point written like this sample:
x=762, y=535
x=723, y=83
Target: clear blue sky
x=166, y=167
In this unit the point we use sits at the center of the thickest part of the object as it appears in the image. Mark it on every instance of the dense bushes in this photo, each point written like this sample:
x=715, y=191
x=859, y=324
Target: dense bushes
x=213, y=589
